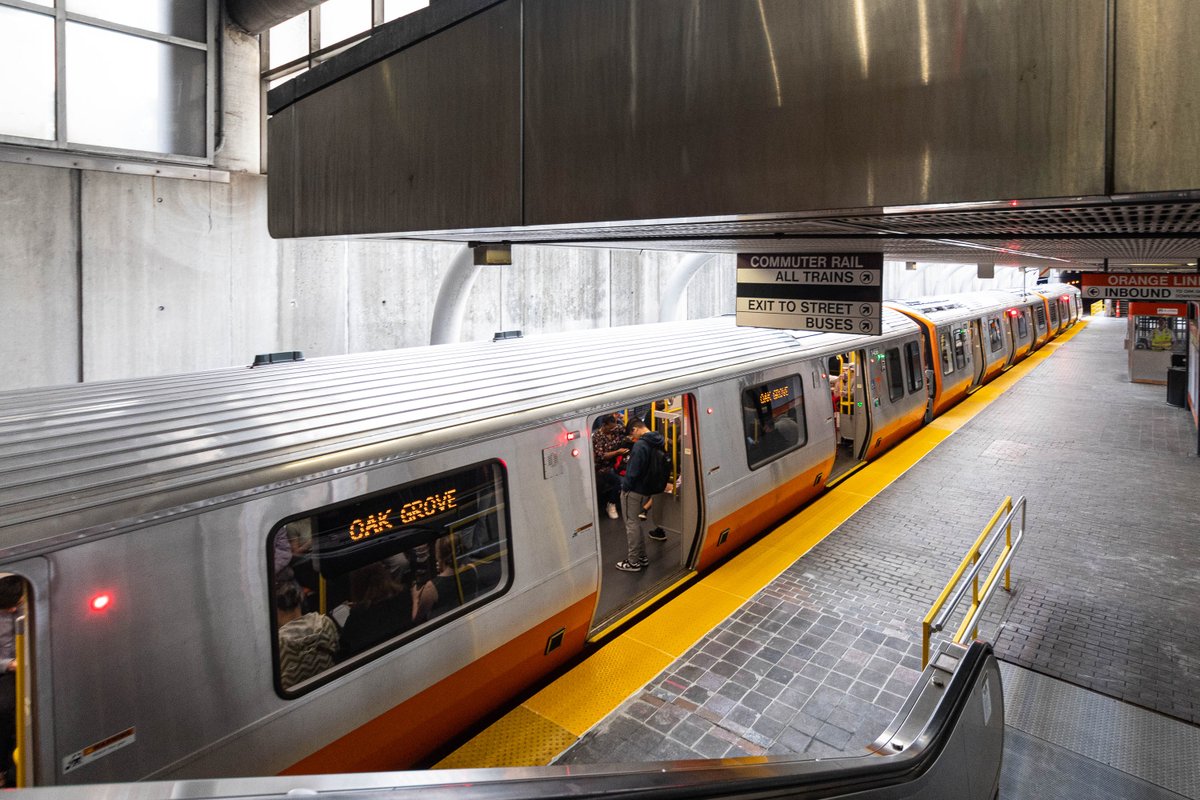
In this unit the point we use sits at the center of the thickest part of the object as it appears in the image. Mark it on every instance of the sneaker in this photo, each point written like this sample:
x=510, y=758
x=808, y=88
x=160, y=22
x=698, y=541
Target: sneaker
x=658, y=535
x=612, y=511
x=626, y=566
x=642, y=515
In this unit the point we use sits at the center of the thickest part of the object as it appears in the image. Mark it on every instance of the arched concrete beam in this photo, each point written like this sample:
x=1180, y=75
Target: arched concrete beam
x=452, y=298
x=671, y=305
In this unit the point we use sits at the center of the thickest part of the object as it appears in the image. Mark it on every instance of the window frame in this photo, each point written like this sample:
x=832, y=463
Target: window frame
x=946, y=352
x=916, y=366
x=62, y=141
x=995, y=334
x=960, y=348
x=409, y=635
x=746, y=395
x=895, y=378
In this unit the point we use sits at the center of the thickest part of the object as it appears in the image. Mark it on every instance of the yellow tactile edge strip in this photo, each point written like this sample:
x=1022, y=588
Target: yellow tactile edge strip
x=552, y=720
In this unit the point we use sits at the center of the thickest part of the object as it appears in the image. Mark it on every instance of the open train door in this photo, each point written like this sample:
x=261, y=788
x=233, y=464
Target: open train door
x=23, y=587
x=852, y=427
x=671, y=524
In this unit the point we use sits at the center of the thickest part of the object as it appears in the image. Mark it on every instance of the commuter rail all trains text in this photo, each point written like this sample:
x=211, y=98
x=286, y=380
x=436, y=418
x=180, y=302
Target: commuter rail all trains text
x=343, y=564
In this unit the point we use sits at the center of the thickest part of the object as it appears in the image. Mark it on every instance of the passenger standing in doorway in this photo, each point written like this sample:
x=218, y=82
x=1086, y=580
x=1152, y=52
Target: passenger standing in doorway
x=606, y=447
x=635, y=491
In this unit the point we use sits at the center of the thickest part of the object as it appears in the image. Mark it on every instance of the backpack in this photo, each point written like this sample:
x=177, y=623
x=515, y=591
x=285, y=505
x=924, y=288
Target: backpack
x=658, y=471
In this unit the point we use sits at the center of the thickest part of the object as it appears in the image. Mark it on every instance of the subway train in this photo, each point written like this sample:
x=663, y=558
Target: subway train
x=343, y=564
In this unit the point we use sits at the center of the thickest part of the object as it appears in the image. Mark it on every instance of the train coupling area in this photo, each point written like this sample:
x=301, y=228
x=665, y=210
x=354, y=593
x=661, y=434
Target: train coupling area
x=946, y=741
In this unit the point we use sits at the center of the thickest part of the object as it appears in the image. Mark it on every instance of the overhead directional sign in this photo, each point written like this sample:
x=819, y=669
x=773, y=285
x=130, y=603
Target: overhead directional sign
x=1140, y=286
x=837, y=292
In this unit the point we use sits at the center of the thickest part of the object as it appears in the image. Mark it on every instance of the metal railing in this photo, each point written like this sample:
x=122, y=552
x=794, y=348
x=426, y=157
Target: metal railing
x=963, y=577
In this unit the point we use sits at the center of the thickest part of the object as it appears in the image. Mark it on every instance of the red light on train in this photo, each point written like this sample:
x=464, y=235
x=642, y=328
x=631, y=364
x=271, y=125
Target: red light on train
x=575, y=452
x=1012, y=312
x=572, y=435
x=100, y=602
x=710, y=411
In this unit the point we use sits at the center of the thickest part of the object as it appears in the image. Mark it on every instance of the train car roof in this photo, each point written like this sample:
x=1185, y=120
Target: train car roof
x=151, y=443
x=952, y=308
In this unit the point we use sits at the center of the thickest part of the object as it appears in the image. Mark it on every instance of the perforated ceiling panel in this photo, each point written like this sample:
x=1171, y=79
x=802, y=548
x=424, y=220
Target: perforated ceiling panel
x=1080, y=235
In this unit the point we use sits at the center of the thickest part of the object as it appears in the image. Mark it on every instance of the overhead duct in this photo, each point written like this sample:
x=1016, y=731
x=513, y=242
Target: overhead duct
x=256, y=16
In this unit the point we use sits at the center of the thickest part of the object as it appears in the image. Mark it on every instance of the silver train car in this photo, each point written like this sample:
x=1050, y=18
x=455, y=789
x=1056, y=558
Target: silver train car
x=342, y=564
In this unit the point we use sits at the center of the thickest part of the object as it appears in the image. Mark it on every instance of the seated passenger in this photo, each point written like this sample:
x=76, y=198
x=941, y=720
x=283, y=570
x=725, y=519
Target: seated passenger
x=445, y=581
x=307, y=642
x=380, y=607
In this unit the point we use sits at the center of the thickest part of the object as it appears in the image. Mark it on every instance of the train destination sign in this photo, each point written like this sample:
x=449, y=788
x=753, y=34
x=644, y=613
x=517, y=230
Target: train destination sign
x=1143, y=286
x=832, y=292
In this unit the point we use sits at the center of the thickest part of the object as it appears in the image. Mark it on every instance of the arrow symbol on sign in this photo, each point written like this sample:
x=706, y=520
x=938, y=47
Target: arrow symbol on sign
x=865, y=277
x=864, y=309
x=866, y=325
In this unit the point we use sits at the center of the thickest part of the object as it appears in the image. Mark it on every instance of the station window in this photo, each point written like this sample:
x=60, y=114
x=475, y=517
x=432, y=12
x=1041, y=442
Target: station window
x=65, y=67
x=995, y=337
x=916, y=372
x=355, y=580
x=895, y=374
x=773, y=416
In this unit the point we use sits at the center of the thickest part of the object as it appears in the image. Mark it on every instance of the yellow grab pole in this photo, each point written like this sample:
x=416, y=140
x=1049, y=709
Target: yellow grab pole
x=20, y=749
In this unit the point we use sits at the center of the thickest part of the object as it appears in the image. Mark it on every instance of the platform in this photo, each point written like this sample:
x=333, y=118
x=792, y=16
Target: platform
x=816, y=662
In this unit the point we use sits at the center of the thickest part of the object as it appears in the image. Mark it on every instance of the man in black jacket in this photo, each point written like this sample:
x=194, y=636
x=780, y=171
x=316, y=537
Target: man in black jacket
x=635, y=492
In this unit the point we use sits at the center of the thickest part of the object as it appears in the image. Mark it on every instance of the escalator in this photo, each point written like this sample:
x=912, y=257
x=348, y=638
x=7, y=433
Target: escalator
x=945, y=742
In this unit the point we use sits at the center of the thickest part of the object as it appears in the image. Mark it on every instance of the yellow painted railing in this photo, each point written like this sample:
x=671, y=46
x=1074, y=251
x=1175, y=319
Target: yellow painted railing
x=967, y=574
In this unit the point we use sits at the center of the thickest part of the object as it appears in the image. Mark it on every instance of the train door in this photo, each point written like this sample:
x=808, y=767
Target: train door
x=18, y=748
x=669, y=523
x=852, y=420
x=978, y=361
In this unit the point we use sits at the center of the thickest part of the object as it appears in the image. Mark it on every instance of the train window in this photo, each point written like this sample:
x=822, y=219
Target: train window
x=895, y=374
x=995, y=337
x=773, y=416
x=1039, y=318
x=357, y=579
x=916, y=373
x=1054, y=314
x=947, y=356
x=960, y=349
x=1023, y=325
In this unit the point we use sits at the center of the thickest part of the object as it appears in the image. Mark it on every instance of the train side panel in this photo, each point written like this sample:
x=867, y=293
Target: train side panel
x=742, y=502
x=192, y=608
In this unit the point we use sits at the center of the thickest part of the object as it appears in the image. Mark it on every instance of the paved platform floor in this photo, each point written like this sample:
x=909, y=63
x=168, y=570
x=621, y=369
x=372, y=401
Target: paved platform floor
x=818, y=661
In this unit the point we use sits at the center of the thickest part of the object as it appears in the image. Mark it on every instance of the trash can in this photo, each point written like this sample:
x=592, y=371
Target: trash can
x=1176, y=385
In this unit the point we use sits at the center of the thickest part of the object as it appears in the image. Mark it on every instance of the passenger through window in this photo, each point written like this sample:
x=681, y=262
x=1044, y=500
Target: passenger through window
x=960, y=349
x=773, y=419
x=350, y=579
x=916, y=372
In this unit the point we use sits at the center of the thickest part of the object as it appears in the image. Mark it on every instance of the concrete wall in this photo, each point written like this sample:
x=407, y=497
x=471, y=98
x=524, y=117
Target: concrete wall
x=105, y=275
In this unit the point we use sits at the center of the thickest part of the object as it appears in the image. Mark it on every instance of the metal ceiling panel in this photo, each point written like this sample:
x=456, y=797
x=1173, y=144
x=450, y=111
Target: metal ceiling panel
x=658, y=109
x=1156, y=124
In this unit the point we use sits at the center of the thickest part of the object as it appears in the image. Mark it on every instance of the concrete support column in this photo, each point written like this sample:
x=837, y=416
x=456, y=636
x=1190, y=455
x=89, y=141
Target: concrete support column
x=452, y=298
x=675, y=292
